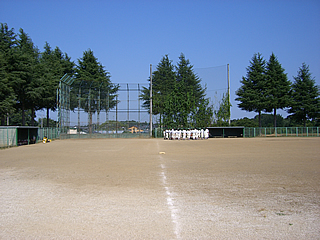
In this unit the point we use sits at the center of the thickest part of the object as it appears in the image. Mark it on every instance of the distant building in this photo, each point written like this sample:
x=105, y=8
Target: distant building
x=134, y=129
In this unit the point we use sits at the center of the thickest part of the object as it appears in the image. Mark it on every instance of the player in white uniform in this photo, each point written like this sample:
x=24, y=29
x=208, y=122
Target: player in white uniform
x=179, y=134
x=184, y=134
x=188, y=134
x=206, y=134
x=194, y=134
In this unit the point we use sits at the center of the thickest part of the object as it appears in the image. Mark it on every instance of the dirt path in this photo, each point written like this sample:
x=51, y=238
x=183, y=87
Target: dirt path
x=262, y=188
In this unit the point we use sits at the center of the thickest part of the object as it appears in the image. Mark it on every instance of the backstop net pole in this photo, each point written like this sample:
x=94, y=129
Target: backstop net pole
x=139, y=109
x=79, y=102
x=229, y=93
x=150, y=100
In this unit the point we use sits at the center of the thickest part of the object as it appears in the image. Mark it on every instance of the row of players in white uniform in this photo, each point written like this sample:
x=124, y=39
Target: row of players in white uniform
x=186, y=134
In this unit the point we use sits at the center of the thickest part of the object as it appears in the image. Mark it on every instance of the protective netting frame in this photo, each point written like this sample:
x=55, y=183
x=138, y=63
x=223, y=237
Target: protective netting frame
x=110, y=127
x=63, y=103
x=217, y=83
x=126, y=108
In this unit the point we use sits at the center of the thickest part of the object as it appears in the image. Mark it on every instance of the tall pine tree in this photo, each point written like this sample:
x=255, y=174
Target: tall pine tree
x=7, y=96
x=54, y=64
x=252, y=93
x=92, y=78
x=25, y=80
x=278, y=87
x=178, y=95
x=190, y=89
x=305, y=101
x=163, y=83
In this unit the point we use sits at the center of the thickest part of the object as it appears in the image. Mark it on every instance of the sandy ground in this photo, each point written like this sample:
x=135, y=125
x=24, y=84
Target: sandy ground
x=261, y=188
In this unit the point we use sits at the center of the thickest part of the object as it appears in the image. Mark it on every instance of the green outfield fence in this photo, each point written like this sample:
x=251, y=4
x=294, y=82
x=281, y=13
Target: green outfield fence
x=50, y=133
x=10, y=137
x=104, y=135
x=282, y=132
x=269, y=132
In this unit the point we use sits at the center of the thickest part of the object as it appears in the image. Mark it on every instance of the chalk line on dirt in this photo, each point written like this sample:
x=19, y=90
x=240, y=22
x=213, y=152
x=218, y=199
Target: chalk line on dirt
x=170, y=200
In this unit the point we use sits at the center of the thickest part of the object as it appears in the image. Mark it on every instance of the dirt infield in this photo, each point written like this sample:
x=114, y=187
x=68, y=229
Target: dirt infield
x=258, y=188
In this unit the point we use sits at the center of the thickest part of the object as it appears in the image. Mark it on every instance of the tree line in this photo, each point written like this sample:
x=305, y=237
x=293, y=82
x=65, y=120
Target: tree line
x=266, y=88
x=267, y=120
x=29, y=78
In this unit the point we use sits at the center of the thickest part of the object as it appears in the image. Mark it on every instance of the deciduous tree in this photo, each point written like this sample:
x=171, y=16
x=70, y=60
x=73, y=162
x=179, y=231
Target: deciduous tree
x=222, y=115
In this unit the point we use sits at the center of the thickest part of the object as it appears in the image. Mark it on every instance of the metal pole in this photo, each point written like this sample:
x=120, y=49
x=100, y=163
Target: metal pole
x=79, y=109
x=89, y=112
x=139, y=110
x=128, y=106
x=107, y=114
x=150, y=100
x=67, y=107
x=229, y=94
x=117, y=115
x=59, y=122
x=98, y=112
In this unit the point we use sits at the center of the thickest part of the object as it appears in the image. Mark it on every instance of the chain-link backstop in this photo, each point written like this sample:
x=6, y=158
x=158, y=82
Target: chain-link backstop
x=95, y=112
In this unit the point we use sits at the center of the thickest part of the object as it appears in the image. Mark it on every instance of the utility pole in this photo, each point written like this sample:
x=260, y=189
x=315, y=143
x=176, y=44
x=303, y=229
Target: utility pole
x=150, y=100
x=229, y=94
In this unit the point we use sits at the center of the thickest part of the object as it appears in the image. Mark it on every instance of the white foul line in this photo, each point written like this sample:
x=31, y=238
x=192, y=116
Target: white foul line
x=170, y=201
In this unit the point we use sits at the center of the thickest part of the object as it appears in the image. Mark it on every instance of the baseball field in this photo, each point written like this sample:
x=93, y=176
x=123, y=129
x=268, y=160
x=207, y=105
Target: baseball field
x=239, y=188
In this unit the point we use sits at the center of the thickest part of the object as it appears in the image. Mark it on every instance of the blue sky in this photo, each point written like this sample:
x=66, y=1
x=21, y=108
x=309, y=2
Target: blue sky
x=128, y=36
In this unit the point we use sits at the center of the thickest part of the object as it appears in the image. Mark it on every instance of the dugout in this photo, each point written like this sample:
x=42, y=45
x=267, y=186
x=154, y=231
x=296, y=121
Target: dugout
x=224, y=132
x=17, y=135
